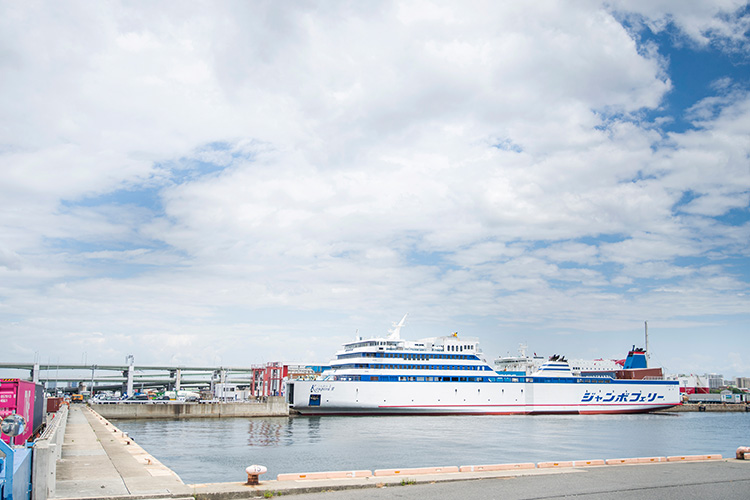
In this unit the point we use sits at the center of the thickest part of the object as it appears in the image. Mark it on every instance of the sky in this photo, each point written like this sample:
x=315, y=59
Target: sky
x=231, y=183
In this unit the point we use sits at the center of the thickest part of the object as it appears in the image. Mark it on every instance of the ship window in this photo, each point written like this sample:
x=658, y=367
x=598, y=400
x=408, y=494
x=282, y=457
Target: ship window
x=314, y=400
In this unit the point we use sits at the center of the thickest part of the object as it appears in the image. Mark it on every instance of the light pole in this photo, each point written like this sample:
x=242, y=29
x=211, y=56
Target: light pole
x=93, y=367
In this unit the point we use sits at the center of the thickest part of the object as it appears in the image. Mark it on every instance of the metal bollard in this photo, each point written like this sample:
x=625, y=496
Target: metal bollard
x=253, y=472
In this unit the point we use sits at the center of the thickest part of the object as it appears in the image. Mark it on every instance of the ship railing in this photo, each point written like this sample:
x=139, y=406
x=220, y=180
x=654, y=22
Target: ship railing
x=653, y=377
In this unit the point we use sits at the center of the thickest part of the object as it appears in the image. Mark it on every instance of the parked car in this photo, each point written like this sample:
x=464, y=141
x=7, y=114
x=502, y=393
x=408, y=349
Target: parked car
x=137, y=398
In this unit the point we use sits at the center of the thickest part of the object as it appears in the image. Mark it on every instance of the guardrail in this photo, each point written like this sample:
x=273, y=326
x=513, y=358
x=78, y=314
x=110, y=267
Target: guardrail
x=47, y=451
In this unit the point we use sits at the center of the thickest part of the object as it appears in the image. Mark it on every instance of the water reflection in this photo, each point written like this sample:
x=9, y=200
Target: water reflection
x=266, y=431
x=313, y=428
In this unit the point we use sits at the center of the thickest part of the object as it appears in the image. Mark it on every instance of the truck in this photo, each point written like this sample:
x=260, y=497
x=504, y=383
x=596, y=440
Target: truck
x=26, y=399
x=724, y=397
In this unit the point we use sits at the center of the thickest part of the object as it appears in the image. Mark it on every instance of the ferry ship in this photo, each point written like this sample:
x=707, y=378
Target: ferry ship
x=448, y=375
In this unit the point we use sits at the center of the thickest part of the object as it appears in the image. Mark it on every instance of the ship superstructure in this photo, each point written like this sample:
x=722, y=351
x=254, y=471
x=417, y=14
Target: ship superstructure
x=448, y=375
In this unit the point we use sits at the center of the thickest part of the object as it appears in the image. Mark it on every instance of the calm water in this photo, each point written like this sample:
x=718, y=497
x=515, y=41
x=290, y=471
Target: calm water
x=218, y=450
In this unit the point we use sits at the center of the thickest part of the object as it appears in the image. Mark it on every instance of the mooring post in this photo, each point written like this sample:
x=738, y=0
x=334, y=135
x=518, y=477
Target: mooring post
x=253, y=472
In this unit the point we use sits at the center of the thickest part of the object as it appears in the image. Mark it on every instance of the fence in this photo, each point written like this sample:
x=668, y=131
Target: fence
x=47, y=451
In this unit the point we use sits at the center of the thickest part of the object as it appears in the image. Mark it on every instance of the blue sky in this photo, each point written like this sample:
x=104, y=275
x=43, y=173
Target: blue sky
x=240, y=183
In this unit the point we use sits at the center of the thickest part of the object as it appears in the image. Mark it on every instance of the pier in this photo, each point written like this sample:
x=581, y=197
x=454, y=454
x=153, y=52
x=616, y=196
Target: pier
x=99, y=461
x=274, y=406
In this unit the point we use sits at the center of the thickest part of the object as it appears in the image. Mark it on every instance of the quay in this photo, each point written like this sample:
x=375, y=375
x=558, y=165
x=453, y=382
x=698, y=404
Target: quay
x=707, y=407
x=274, y=406
x=101, y=462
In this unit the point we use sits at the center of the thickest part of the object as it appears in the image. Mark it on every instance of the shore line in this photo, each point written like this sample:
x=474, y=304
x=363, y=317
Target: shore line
x=710, y=407
x=130, y=472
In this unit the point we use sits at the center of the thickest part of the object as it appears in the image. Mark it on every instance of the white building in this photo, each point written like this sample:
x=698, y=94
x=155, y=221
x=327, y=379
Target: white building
x=226, y=392
x=715, y=380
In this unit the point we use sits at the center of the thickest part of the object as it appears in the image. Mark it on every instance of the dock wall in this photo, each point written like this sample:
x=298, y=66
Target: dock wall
x=273, y=407
x=710, y=407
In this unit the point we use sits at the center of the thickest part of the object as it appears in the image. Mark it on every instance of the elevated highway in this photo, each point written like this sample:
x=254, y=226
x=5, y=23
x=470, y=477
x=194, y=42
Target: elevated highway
x=126, y=377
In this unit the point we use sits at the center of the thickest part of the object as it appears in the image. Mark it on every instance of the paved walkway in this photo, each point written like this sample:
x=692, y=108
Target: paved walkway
x=99, y=461
x=725, y=479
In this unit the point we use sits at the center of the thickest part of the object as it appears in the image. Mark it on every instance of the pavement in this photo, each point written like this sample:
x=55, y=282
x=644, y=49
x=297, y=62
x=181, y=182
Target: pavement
x=726, y=479
x=101, y=462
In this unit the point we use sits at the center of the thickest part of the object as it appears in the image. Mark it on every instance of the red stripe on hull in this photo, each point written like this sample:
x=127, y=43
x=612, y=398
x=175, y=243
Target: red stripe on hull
x=580, y=411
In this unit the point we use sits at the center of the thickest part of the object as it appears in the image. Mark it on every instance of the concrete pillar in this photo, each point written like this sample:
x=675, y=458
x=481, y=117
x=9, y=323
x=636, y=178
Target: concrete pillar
x=60, y=434
x=43, y=470
x=177, y=377
x=35, y=373
x=130, y=380
x=223, y=376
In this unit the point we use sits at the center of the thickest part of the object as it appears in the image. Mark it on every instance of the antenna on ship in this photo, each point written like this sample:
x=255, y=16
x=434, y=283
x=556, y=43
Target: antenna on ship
x=395, y=333
x=648, y=353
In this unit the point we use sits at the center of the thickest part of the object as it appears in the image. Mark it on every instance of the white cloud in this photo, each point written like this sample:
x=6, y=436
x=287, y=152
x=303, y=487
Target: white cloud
x=454, y=161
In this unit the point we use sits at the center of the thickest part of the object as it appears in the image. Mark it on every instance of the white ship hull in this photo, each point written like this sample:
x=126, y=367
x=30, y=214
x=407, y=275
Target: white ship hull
x=576, y=395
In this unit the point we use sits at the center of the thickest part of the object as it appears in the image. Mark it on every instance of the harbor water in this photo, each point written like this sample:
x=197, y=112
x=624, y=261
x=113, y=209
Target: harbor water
x=219, y=450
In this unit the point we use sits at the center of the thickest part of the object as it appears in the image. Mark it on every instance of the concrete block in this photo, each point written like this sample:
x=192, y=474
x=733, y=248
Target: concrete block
x=495, y=467
x=621, y=461
x=549, y=465
x=302, y=475
x=684, y=458
x=588, y=463
x=348, y=474
x=648, y=460
x=416, y=471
